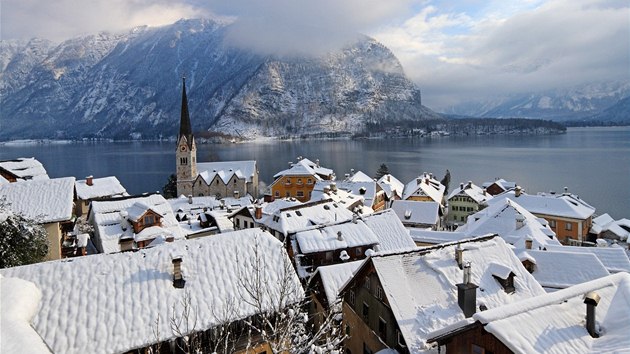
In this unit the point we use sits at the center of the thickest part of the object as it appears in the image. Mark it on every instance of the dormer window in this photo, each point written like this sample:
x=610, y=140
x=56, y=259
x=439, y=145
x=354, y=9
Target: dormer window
x=507, y=283
x=503, y=275
x=149, y=220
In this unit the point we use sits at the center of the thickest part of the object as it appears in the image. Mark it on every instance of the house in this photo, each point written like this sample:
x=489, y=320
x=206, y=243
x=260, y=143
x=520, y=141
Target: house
x=467, y=199
x=134, y=222
x=91, y=188
x=425, y=188
x=22, y=169
x=360, y=184
x=498, y=186
x=49, y=202
x=299, y=180
x=559, y=269
x=392, y=187
x=398, y=300
x=424, y=215
x=513, y=223
x=557, y=322
x=129, y=302
x=604, y=226
x=203, y=216
x=220, y=179
x=330, y=190
x=568, y=216
x=615, y=259
x=250, y=216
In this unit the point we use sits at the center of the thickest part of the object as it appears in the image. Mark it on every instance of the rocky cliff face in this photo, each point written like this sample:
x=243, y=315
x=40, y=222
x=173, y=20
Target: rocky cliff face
x=129, y=86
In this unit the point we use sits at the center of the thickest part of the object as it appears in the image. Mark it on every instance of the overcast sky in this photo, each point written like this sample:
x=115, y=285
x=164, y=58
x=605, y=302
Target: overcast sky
x=455, y=50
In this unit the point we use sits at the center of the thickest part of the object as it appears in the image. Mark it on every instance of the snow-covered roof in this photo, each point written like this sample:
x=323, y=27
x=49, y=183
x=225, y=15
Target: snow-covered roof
x=425, y=185
x=567, y=206
x=100, y=188
x=43, y=200
x=435, y=237
x=111, y=220
x=359, y=184
x=322, y=171
x=18, y=305
x=322, y=191
x=25, y=168
x=221, y=217
x=605, y=222
x=391, y=233
x=391, y=185
x=512, y=222
x=335, y=276
x=613, y=258
x=471, y=190
x=421, y=286
x=183, y=205
x=409, y=211
x=554, y=322
x=226, y=169
x=3, y=180
x=337, y=236
x=559, y=270
x=110, y=303
x=505, y=185
x=302, y=216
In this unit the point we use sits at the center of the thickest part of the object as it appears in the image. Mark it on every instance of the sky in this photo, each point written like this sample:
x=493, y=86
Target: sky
x=454, y=50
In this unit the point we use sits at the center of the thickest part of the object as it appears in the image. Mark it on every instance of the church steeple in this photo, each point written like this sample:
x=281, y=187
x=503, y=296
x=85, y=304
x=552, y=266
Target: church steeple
x=184, y=123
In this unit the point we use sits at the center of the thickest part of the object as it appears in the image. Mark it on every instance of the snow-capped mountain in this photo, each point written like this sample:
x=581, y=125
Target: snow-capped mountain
x=129, y=85
x=567, y=104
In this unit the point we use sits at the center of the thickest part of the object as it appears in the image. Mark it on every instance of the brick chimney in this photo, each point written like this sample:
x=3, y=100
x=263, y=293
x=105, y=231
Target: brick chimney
x=467, y=294
x=257, y=211
x=178, y=279
x=591, y=300
x=89, y=180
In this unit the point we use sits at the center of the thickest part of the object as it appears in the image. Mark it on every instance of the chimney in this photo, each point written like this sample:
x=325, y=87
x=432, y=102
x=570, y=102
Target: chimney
x=178, y=279
x=222, y=204
x=317, y=162
x=126, y=244
x=352, y=171
x=418, y=180
x=469, y=184
x=362, y=191
x=528, y=243
x=89, y=180
x=236, y=193
x=388, y=178
x=461, y=186
x=354, y=218
x=333, y=187
x=467, y=294
x=520, y=221
x=566, y=190
x=339, y=236
x=517, y=191
x=459, y=256
x=591, y=300
x=485, y=192
x=190, y=200
x=258, y=212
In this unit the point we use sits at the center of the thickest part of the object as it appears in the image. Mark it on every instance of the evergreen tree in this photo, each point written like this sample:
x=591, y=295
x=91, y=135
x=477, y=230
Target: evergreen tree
x=446, y=181
x=382, y=171
x=170, y=188
x=22, y=241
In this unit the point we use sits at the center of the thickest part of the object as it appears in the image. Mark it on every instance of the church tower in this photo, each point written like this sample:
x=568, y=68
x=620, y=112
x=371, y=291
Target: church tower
x=186, y=155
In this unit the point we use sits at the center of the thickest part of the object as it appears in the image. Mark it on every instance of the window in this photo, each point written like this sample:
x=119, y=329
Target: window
x=366, y=312
x=288, y=194
x=299, y=181
x=277, y=194
x=329, y=256
x=300, y=193
x=379, y=293
x=348, y=330
x=183, y=160
x=351, y=297
x=366, y=283
x=552, y=224
x=238, y=223
x=382, y=328
x=309, y=181
x=401, y=339
x=234, y=181
x=149, y=220
x=568, y=226
x=475, y=349
x=357, y=251
x=251, y=224
x=217, y=182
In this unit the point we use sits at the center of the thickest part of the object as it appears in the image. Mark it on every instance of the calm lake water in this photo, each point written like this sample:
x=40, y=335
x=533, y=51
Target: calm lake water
x=593, y=163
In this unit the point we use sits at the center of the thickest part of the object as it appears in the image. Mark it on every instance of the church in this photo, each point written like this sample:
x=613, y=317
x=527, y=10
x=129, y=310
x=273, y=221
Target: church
x=219, y=179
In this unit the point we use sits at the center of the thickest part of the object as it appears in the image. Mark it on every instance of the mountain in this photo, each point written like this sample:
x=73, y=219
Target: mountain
x=129, y=86
x=567, y=104
x=618, y=113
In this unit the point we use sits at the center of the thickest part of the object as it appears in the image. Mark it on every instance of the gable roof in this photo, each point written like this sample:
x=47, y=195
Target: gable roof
x=420, y=285
x=604, y=222
x=554, y=322
x=391, y=186
x=471, y=190
x=132, y=289
x=567, y=206
x=100, y=188
x=391, y=233
x=409, y=211
x=505, y=185
x=425, y=185
x=226, y=169
x=558, y=269
x=512, y=222
x=613, y=258
x=335, y=276
x=306, y=167
x=305, y=215
x=436, y=237
x=43, y=200
x=324, y=190
x=336, y=236
x=26, y=168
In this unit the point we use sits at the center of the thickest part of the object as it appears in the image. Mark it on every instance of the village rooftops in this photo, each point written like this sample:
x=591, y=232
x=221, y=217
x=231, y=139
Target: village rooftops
x=306, y=167
x=99, y=188
x=503, y=184
x=359, y=184
x=226, y=169
x=425, y=186
x=330, y=190
x=614, y=259
x=471, y=190
x=554, y=322
x=565, y=205
x=112, y=303
x=391, y=186
x=559, y=269
x=421, y=284
x=296, y=218
x=42, y=200
x=25, y=168
x=512, y=222
x=605, y=223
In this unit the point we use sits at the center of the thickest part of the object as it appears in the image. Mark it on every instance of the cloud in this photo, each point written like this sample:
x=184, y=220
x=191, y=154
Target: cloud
x=456, y=56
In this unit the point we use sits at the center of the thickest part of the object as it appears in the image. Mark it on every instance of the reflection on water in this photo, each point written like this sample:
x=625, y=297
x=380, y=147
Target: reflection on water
x=592, y=162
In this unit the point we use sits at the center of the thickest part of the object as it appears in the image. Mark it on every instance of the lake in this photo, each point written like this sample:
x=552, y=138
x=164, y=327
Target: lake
x=593, y=163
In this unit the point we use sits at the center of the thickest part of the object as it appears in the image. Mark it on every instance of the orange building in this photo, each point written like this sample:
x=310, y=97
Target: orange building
x=299, y=180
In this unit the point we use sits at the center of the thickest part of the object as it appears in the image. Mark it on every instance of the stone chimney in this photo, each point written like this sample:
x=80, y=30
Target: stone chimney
x=467, y=294
x=333, y=187
x=178, y=279
x=591, y=300
x=89, y=180
x=528, y=243
x=339, y=236
x=459, y=256
x=520, y=221
x=190, y=199
x=257, y=211
x=388, y=178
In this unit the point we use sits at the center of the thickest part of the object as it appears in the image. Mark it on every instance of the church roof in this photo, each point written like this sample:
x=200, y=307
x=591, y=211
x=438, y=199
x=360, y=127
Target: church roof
x=185, y=128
